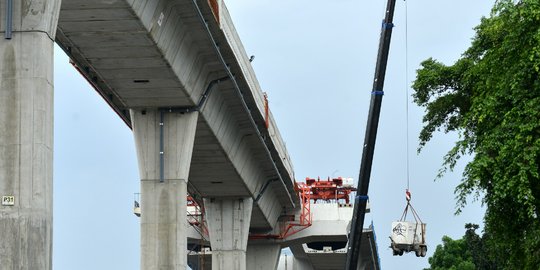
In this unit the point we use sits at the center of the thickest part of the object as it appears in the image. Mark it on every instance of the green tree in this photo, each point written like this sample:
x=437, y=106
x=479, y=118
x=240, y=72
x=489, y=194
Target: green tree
x=491, y=97
x=469, y=252
x=482, y=256
x=451, y=255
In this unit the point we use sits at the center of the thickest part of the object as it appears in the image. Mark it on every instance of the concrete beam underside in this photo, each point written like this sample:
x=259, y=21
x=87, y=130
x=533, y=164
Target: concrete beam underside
x=26, y=134
x=163, y=185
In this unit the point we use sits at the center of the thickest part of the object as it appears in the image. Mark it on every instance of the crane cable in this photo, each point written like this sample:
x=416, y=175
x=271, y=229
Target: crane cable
x=407, y=97
x=407, y=191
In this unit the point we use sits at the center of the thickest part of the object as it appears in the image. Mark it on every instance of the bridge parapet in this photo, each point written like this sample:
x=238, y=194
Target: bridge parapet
x=233, y=39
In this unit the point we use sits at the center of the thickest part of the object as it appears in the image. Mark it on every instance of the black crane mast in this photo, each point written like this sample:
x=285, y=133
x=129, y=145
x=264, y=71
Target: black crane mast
x=359, y=211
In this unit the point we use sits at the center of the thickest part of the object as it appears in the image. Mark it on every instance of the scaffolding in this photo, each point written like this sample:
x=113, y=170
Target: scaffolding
x=333, y=190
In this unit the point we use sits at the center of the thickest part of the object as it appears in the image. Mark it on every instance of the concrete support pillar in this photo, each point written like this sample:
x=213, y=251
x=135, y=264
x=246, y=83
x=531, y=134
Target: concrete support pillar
x=26, y=133
x=362, y=265
x=300, y=264
x=263, y=256
x=163, y=185
x=228, y=227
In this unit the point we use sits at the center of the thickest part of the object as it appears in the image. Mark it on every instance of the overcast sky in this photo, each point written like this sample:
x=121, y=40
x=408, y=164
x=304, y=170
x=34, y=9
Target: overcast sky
x=315, y=59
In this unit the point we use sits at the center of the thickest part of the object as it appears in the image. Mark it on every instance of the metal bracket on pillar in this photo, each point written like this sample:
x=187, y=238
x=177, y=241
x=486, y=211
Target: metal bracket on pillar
x=161, y=150
x=162, y=112
x=9, y=19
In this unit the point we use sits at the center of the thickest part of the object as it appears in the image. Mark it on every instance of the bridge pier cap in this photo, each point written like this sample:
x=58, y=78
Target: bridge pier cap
x=26, y=133
x=164, y=143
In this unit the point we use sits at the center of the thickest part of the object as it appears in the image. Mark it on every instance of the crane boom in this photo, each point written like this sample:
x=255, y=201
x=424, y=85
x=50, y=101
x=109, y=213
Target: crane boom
x=357, y=222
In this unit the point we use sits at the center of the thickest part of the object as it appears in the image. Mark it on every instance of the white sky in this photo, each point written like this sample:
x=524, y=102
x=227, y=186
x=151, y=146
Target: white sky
x=315, y=59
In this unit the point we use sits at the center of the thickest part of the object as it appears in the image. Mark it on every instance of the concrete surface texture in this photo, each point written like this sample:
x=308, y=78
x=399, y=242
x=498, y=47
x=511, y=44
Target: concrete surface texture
x=228, y=228
x=163, y=184
x=323, y=245
x=263, y=256
x=26, y=134
x=289, y=262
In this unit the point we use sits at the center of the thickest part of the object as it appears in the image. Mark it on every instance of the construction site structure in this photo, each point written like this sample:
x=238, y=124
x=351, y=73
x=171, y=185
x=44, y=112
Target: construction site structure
x=332, y=190
x=324, y=203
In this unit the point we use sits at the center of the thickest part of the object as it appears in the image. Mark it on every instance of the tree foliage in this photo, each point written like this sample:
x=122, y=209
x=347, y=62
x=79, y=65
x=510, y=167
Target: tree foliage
x=491, y=97
x=469, y=252
x=451, y=255
x=483, y=257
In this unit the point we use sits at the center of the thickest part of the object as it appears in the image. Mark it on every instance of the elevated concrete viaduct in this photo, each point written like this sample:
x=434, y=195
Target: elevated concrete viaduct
x=176, y=72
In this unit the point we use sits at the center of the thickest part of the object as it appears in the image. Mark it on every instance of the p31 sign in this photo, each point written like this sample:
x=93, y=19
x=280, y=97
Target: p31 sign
x=8, y=200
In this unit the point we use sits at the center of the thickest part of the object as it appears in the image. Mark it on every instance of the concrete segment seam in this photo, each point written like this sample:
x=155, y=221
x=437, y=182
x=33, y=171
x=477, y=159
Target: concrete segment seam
x=32, y=31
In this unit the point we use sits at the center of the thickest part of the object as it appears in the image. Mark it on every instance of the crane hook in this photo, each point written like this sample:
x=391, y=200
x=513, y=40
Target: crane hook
x=407, y=195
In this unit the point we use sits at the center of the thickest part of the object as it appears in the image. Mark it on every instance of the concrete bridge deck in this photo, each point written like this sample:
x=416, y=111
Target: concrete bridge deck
x=176, y=72
x=158, y=54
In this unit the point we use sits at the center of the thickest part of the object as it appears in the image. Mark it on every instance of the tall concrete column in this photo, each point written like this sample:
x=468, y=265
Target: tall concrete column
x=362, y=265
x=263, y=256
x=26, y=133
x=228, y=222
x=300, y=264
x=163, y=185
